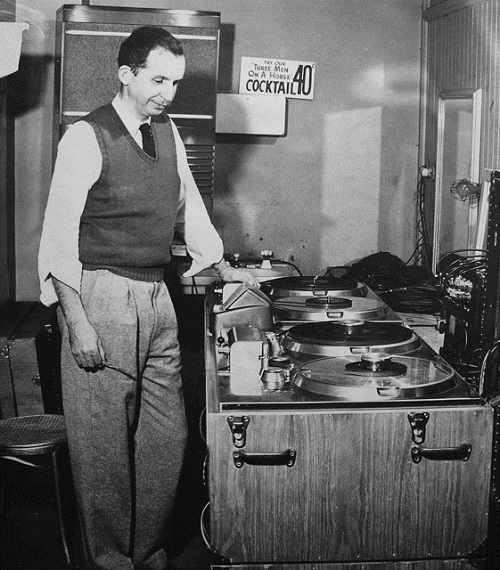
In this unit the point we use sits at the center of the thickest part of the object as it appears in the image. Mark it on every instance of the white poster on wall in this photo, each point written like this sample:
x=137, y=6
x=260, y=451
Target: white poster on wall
x=262, y=76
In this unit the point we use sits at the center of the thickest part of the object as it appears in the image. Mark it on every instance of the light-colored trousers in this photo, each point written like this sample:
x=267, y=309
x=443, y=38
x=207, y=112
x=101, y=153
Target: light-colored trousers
x=126, y=423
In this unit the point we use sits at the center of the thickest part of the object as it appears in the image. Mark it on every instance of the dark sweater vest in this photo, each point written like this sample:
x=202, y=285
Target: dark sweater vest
x=128, y=221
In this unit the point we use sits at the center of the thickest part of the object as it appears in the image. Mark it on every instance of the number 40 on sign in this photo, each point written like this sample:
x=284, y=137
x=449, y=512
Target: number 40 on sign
x=293, y=79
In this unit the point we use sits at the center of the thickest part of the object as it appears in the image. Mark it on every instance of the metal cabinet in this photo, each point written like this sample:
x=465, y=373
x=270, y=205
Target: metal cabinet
x=87, y=43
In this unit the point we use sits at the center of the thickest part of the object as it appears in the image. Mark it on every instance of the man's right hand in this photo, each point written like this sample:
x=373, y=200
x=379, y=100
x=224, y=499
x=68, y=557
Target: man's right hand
x=85, y=343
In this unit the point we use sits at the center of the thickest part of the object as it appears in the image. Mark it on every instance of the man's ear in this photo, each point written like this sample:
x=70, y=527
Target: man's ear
x=125, y=74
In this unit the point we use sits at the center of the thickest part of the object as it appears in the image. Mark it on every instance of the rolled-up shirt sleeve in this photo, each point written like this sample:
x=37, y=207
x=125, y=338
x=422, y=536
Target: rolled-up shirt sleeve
x=203, y=243
x=77, y=168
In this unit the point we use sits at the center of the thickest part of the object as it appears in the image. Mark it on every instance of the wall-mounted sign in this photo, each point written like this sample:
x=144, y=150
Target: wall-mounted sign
x=293, y=79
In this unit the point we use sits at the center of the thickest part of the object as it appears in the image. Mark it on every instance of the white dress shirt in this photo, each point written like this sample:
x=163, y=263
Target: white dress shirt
x=77, y=168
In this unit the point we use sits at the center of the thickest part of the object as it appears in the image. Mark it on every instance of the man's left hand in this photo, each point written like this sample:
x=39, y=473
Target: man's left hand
x=233, y=274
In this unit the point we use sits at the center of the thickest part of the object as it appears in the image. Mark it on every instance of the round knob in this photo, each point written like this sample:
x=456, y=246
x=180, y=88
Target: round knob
x=273, y=378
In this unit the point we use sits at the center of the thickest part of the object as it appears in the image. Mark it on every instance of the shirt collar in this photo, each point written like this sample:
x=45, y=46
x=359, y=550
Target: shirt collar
x=131, y=123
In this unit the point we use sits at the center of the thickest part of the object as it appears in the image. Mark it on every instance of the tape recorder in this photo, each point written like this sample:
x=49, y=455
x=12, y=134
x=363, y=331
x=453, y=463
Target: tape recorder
x=364, y=351
x=314, y=286
x=335, y=432
x=325, y=339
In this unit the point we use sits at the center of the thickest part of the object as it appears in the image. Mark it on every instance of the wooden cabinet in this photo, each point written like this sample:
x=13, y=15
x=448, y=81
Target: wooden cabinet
x=460, y=564
x=353, y=491
x=349, y=492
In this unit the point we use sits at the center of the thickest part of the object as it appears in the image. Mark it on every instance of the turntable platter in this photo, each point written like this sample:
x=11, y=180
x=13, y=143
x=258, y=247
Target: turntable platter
x=325, y=338
x=405, y=377
x=314, y=285
x=328, y=308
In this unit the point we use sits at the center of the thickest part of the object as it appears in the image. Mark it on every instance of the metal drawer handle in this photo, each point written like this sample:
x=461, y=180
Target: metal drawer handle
x=267, y=458
x=335, y=314
x=460, y=453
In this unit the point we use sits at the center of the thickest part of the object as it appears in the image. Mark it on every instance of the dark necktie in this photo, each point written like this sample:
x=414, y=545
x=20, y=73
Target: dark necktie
x=148, y=142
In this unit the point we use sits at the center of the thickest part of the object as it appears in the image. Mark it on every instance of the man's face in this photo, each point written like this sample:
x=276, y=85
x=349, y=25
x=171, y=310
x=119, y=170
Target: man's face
x=154, y=86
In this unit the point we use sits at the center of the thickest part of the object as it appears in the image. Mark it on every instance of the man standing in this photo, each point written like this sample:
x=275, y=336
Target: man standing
x=121, y=184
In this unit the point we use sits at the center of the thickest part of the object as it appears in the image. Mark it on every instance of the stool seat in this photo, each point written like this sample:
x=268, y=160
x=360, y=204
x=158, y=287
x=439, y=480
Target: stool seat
x=32, y=435
x=40, y=437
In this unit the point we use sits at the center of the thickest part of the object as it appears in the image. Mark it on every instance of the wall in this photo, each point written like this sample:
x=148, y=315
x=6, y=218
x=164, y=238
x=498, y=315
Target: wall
x=340, y=185
x=7, y=262
x=462, y=54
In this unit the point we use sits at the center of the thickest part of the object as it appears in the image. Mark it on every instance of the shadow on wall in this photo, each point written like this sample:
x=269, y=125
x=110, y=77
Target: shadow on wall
x=237, y=214
x=233, y=151
x=229, y=155
x=226, y=57
x=395, y=88
x=230, y=158
x=29, y=83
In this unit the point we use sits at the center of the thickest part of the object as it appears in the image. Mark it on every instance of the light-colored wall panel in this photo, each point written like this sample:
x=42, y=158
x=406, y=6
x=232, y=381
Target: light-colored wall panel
x=463, y=44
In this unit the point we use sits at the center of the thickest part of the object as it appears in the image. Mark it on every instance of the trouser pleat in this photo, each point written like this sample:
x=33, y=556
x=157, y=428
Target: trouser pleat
x=126, y=422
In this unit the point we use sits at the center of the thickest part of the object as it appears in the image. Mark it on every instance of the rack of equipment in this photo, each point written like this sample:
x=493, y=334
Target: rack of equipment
x=462, y=282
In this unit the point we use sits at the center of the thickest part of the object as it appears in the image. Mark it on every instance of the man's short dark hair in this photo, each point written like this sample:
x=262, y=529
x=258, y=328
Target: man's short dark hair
x=135, y=50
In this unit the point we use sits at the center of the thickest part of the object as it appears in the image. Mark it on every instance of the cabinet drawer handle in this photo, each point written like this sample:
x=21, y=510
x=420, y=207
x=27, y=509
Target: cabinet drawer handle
x=335, y=314
x=460, y=453
x=267, y=458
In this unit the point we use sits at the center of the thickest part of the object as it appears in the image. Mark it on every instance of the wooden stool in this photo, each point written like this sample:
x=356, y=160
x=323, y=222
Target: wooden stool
x=39, y=441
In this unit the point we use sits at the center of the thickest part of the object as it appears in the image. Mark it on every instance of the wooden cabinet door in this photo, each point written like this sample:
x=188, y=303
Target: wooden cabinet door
x=354, y=492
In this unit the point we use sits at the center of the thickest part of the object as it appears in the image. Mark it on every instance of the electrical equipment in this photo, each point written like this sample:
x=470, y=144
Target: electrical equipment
x=340, y=464
x=462, y=281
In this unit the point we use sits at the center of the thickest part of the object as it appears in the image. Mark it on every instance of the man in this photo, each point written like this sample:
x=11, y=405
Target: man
x=109, y=222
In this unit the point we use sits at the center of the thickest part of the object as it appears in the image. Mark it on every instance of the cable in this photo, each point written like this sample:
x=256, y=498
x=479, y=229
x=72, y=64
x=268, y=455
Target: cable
x=200, y=424
x=203, y=530
x=206, y=537
x=195, y=286
x=288, y=263
x=423, y=299
x=485, y=363
x=461, y=274
x=422, y=254
x=457, y=273
x=384, y=272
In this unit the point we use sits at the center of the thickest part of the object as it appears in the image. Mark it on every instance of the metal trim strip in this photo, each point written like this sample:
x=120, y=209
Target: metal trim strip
x=173, y=115
x=138, y=16
x=126, y=34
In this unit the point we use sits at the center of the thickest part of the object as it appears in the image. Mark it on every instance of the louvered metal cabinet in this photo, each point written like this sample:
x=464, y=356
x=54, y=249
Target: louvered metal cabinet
x=87, y=43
